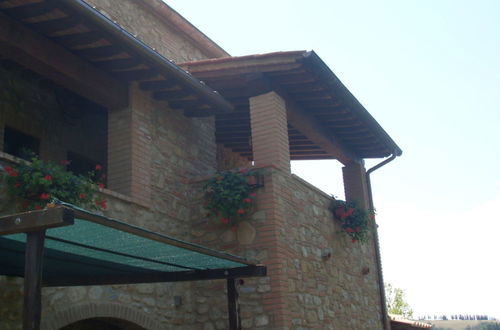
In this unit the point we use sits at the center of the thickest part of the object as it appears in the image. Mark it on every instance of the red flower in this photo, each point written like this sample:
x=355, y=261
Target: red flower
x=224, y=221
x=65, y=162
x=240, y=211
x=38, y=207
x=48, y=177
x=354, y=240
x=83, y=196
x=349, y=212
x=101, y=203
x=247, y=200
x=253, y=194
x=244, y=171
x=44, y=196
x=349, y=230
x=98, y=167
x=11, y=171
x=101, y=185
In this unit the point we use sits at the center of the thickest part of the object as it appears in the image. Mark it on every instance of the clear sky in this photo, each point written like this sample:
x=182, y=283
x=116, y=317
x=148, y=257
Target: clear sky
x=429, y=72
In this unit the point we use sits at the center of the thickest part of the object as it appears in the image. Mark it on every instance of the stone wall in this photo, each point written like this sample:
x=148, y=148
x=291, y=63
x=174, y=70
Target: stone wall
x=290, y=232
x=152, y=29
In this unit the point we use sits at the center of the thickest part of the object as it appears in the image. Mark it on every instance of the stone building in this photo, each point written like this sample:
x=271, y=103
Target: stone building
x=134, y=86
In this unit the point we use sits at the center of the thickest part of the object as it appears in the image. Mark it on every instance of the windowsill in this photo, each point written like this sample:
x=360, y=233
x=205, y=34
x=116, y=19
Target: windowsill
x=107, y=192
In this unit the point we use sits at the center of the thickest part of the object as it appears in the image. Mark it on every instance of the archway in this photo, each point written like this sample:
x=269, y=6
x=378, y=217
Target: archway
x=102, y=323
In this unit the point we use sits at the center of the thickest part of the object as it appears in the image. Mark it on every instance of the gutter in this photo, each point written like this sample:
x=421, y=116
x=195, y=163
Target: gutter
x=149, y=55
x=378, y=259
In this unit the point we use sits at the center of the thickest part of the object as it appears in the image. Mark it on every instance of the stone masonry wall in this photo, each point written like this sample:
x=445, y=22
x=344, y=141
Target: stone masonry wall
x=150, y=29
x=319, y=293
x=327, y=293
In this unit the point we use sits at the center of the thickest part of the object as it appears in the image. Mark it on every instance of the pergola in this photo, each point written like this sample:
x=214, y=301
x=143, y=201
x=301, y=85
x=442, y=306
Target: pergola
x=69, y=246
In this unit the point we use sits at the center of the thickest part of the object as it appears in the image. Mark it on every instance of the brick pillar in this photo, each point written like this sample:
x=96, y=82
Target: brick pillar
x=355, y=184
x=269, y=131
x=129, y=148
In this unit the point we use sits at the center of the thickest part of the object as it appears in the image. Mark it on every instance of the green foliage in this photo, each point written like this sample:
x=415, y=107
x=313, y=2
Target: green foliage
x=35, y=184
x=354, y=220
x=396, y=301
x=229, y=195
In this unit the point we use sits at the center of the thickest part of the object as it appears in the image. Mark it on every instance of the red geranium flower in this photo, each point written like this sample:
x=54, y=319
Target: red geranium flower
x=253, y=194
x=240, y=211
x=101, y=185
x=349, y=230
x=224, y=221
x=10, y=171
x=247, y=200
x=38, y=207
x=83, y=196
x=354, y=240
x=48, y=177
x=98, y=167
x=101, y=203
x=44, y=196
x=349, y=212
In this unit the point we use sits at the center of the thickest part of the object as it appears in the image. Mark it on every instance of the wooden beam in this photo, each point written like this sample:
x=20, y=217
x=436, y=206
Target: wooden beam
x=96, y=53
x=232, y=304
x=158, y=277
x=36, y=220
x=136, y=75
x=54, y=62
x=33, y=263
x=29, y=10
x=79, y=39
x=55, y=25
x=310, y=127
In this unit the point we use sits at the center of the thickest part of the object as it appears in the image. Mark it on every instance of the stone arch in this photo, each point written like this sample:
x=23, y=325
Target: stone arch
x=67, y=316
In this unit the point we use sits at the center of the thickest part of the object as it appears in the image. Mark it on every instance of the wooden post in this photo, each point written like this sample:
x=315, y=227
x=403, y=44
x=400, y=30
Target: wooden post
x=32, y=280
x=232, y=305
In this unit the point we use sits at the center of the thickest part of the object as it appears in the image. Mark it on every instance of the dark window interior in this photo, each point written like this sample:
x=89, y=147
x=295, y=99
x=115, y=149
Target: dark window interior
x=20, y=144
x=79, y=164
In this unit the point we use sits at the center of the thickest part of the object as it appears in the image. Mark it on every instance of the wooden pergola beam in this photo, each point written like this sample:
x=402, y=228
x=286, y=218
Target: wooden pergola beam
x=36, y=220
x=54, y=62
x=309, y=127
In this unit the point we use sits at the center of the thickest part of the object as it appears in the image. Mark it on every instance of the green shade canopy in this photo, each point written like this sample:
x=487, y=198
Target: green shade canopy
x=94, y=249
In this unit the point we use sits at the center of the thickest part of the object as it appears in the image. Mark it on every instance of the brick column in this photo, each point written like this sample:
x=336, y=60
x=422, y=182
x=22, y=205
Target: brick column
x=355, y=184
x=129, y=148
x=269, y=131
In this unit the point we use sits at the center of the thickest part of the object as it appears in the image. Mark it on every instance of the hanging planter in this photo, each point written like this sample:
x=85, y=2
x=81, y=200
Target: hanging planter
x=354, y=220
x=230, y=195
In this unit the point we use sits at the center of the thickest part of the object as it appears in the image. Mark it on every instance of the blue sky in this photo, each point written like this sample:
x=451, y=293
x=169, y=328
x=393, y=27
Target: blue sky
x=429, y=72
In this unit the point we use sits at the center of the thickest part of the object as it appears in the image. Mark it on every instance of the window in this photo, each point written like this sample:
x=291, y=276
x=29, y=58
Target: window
x=20, y=144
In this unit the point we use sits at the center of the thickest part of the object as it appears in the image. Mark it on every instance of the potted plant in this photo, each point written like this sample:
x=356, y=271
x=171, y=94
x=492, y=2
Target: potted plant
x=353, y=219
x=36, y=184
x=230, y=195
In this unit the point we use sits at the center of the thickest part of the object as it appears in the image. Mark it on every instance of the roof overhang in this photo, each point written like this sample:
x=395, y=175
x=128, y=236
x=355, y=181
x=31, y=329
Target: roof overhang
x=325, y=120
x=75, y=46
